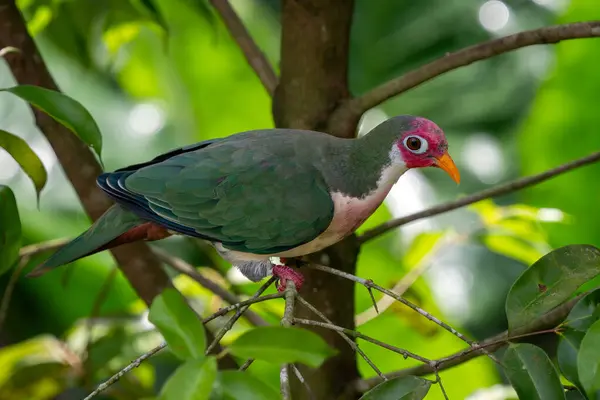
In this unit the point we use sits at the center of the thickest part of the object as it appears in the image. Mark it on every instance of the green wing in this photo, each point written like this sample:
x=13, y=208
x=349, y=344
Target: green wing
x=260, y=202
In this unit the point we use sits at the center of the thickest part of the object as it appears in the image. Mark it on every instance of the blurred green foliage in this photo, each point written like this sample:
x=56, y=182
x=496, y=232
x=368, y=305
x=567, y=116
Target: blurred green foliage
x=164, y=73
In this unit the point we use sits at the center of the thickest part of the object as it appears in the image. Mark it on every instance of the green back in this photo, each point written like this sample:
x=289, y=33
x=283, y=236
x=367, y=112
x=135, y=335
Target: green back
x=253, y=193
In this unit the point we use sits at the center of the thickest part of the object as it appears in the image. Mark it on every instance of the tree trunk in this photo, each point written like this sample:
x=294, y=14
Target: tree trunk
x=314, y=81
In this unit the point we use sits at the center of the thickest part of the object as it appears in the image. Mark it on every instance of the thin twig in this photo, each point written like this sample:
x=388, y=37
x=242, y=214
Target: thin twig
x=352, y=344
x=369, y=283
x=302, y=380
x=247, y=364
x=241, y=309
x=404, y=353
x=287, y=321
x=222, y=311
x=408, y=279
x=537, y=327
x=466, y=56
x=134, y=364
x=174, y=262
x=185, y=268
x=439, y=382
x=496, y=191
x=12, y=282
x=36, y=248
x=254, y=56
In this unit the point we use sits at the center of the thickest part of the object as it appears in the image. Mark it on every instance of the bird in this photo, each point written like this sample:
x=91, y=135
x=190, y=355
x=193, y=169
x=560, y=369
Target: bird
x=262, y=198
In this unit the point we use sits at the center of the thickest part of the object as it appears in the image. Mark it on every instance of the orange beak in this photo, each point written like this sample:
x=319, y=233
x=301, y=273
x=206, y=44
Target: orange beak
x=446, y=163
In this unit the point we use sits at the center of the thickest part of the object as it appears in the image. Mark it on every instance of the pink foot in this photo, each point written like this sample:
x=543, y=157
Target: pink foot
x=285, y=273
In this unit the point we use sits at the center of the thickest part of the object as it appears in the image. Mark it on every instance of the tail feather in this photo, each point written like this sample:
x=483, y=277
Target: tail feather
x=106, y=232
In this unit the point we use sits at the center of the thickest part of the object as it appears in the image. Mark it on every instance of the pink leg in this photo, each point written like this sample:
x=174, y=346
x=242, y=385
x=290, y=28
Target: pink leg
x=285, y=273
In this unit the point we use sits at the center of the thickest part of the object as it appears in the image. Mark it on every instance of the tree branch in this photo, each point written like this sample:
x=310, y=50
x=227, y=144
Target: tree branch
x=176, y=263
x=496, y=191
x=254, y=56
x=368, y=283
x=549, y=320
x=241, y=309
x=350, y=112
x=185, y=268
x=350, y=342
x=139, y=265
x=404, y=353
x=287, y=321
x=134, y=364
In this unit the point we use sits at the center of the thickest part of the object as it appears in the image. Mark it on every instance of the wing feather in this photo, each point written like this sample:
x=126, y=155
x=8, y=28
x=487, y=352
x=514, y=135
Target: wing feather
x=252, y=201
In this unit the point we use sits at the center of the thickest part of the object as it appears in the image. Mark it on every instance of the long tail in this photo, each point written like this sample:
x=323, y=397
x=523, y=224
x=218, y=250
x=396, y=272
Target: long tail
x=115, y=227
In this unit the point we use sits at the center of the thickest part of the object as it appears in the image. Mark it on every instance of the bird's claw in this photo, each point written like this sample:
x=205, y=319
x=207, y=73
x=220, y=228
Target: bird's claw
x=285, y=273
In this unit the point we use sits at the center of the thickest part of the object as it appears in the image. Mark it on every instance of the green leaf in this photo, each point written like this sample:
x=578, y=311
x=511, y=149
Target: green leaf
x=10, y=229
x=531, y=373
x=549, y=282
x=27, y=159
x=574, y=395
x=585, y=312
x=588, y=360
x=234, y=385
x=566, y=353
x=581, y=317
x=179, y=324
x=404, y=388
x=282, y=345
x=63, y=109
x=193, y=380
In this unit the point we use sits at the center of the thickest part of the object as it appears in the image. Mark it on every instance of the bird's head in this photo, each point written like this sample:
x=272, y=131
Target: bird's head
x=421, y=144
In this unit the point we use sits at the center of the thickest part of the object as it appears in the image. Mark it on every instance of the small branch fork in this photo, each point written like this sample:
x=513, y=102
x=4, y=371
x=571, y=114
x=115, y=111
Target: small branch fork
x=428, y=366
x=354, y=108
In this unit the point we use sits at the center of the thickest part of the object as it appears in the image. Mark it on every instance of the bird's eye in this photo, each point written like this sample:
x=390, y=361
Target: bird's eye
x=416, y=144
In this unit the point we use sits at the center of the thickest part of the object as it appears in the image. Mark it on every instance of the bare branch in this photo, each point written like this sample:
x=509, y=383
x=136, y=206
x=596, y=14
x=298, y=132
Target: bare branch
x=539, y=326
x=134, y=364
x=353, y=109
x=409, y=279
x=242, y=304
x=496, y=191
x=343, y=335
x=185, y=268
x=241, y=309
x=287, y=321
x=12, y=282
x=33, y=249
x=438, y=380
x=254, y=56
x=247, y=364
x=404, y=353
x=370, y=284
x=302, y=380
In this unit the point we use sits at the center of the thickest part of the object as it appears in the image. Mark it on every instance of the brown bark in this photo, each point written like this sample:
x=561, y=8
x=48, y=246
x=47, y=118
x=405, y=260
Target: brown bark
x=137, y=262
x=313, y=82
x=314, y=63
x=139, y=265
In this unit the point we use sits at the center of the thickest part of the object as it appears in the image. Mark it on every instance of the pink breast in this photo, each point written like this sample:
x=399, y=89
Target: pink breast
x=350, y=212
